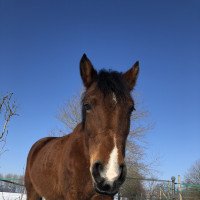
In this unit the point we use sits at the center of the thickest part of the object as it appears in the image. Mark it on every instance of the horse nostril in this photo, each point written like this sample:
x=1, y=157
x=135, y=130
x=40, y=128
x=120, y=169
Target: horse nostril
x=98, y=167
x=96, y=170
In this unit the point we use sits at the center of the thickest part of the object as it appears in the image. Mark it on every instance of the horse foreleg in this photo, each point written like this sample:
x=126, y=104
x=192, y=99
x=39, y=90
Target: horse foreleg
x=31, y=193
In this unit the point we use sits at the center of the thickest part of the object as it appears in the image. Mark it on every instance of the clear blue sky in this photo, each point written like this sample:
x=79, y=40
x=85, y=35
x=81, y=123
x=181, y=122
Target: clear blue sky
x=41, y=43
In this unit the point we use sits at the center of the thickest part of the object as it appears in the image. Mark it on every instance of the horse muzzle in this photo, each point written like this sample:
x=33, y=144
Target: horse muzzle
x=105, y=185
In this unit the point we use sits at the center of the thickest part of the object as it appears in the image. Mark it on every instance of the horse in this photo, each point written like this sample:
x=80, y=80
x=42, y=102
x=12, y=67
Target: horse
x=89, y=163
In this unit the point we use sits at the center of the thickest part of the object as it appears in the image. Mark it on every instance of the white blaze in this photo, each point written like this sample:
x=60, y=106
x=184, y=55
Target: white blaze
x=111, y=172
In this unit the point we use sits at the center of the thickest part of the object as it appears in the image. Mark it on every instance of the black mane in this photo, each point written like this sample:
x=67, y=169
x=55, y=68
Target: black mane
x=109, y=82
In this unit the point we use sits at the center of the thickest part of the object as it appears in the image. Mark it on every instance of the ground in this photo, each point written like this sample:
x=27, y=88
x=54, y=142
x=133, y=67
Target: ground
x=12, y=196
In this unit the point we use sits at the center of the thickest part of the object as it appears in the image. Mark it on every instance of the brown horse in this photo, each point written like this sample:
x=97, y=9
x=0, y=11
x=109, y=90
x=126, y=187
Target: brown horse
x=89, y=162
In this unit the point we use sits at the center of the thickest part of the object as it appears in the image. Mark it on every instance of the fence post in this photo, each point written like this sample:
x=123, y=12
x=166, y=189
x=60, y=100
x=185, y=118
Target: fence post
x=179, y=187
x=160, y=195
x=173, y=187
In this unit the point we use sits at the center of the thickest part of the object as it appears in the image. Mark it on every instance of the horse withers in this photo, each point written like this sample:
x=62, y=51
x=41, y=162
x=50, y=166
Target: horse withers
x=88, y=163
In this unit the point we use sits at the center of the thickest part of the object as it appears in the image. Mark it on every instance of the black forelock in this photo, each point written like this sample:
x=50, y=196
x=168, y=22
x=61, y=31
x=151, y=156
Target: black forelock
x=109, y=82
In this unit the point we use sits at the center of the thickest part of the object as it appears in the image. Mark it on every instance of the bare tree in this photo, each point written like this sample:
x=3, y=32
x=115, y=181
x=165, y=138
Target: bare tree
x=70, y=115
x=7, y=111
x=192, y=179
x=193, y=174
x=133, y=187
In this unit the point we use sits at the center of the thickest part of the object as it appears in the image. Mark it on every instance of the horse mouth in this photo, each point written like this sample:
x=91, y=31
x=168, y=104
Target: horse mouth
x=106, y=191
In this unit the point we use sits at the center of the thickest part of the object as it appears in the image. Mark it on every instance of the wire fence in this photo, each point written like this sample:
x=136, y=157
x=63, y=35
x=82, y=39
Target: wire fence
x=134, y=188
x=156, y=189
x=12, y=181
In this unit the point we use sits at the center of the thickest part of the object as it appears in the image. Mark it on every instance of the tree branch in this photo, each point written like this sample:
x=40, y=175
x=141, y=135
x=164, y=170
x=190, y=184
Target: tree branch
x=7, y=111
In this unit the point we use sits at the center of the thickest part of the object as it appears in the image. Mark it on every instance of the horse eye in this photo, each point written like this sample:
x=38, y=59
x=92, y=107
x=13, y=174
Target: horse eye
x=87, y=106
x=131, y=109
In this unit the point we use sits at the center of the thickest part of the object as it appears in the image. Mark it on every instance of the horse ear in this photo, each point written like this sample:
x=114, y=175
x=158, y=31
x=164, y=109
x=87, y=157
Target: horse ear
x=88, y=73
x=131, y=75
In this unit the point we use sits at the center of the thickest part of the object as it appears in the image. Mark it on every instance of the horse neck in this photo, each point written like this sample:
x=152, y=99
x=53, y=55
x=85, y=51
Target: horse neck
x=82, y=135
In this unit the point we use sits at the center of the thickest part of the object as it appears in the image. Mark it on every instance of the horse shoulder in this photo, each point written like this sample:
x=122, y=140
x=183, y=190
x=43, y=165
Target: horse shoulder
x=36, y=148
